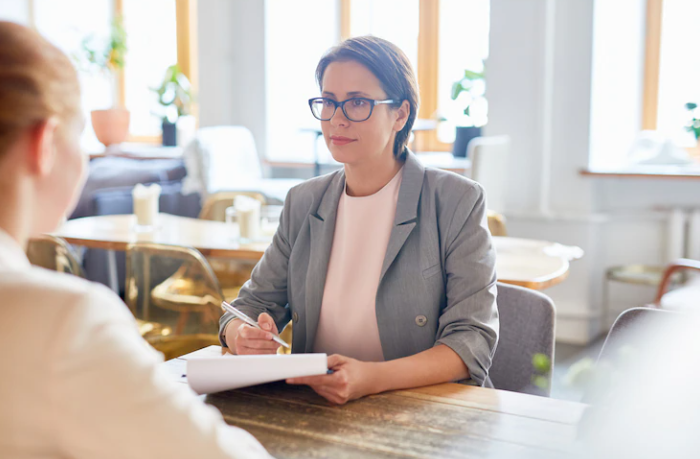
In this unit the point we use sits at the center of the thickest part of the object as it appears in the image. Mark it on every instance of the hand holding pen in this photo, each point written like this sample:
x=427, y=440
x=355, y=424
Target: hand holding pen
x=251, y=337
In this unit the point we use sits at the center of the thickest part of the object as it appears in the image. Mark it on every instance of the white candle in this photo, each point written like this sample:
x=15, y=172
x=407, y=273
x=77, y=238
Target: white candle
x=248, y=216
x=146, y=203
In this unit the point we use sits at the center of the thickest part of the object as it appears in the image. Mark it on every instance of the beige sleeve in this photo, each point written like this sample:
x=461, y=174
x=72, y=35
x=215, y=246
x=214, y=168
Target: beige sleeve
x=111, y=398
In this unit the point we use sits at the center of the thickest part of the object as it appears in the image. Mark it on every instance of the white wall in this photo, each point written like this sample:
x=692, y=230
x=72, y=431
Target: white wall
x=618, y=77
x=514, y=92
x=232, y=65
x=540, y=87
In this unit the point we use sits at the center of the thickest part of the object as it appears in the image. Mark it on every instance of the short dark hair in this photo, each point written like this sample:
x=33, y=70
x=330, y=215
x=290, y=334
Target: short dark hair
x=391, y=67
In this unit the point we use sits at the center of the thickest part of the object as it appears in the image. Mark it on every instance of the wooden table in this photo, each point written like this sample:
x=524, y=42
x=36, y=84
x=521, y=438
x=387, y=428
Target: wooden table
x=442, y=421
x=116, y=232
x=525, y=262
x=533, y=264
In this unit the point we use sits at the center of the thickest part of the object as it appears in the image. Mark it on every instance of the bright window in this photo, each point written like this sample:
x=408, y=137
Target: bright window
x=461, y=32
x=393, y=20
x=152, y=42
x=15, y=11
x=151, y=28
x=58, y=22
x=679, y=71
x=292, y=51
x=463, y=43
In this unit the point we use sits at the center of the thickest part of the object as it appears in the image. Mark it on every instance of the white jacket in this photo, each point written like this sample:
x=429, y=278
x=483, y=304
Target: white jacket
x=77, y=380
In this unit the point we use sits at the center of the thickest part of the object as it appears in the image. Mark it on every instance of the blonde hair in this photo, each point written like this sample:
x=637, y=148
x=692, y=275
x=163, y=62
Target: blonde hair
x=37, y=82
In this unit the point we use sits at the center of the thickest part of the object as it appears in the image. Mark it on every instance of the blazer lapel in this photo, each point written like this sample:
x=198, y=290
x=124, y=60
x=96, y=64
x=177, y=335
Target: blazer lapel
x=322, y=228
x=406, y=209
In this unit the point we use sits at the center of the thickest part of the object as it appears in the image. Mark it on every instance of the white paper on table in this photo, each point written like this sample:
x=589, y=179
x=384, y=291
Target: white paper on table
x=207, y=375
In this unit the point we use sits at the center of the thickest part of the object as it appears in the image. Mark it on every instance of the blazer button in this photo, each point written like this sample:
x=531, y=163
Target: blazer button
x=295, y=317
x=421, y=320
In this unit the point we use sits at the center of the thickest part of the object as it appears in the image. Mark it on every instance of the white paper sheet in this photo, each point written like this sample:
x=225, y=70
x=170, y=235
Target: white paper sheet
x=208, y=372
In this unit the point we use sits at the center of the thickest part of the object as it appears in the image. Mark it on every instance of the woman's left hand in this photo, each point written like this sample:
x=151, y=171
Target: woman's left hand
x=351, y=379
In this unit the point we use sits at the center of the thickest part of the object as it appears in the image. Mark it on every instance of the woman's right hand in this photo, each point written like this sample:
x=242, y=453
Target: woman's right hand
x=249, y=340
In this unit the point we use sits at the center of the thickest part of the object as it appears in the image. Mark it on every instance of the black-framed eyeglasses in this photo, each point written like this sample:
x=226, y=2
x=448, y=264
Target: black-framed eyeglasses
x=355, y=109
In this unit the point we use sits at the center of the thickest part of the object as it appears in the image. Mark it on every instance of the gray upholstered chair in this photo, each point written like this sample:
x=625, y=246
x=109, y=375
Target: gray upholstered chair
x=527, y=328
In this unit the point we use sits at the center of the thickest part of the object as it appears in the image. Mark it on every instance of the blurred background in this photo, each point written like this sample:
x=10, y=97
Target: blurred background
x=596, y=98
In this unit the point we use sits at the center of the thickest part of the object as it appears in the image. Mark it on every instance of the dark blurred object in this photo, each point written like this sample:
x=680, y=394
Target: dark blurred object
x=464, y=135
x=169, y=133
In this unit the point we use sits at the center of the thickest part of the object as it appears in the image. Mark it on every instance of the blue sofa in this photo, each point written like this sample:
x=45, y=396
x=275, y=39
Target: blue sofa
x=108, y=192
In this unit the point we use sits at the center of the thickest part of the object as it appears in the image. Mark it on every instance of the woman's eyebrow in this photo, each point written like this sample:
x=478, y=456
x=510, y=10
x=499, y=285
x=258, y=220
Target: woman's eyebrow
x=358, y=93
x=350, y=94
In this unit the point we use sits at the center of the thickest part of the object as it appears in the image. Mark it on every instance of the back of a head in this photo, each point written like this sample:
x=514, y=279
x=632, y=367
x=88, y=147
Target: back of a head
x=37, y=82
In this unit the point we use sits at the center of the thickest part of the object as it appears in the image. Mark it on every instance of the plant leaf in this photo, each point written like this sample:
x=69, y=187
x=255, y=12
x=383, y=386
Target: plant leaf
x=456, y=89
x=541, y=363
x=471, y=75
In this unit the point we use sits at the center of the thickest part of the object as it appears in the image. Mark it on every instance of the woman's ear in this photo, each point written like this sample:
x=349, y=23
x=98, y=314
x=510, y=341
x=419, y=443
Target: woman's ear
x=42, y=149
x=402, y=114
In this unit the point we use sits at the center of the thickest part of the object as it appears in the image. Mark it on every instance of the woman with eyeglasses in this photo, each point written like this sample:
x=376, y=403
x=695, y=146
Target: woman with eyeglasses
x=77, y=379
x=385, y=265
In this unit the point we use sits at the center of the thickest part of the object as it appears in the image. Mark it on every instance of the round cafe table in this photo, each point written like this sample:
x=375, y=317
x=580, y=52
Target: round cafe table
x=526, y=262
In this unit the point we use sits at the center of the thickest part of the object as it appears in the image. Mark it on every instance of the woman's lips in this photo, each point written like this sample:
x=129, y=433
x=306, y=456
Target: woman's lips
x=340, y=140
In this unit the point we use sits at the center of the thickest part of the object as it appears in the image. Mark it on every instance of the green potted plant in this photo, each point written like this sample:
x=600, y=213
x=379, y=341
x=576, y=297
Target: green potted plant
x=469, y=89
x=542, y=366
x=111, y=126
x=693, y=126
x=175, y=98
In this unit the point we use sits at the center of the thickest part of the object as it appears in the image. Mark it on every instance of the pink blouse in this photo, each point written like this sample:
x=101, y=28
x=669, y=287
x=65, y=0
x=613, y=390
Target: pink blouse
x=348, y=321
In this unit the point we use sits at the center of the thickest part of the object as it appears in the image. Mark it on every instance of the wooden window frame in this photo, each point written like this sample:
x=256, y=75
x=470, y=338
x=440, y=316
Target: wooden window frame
x=652, y=64
x=344, y=18
x=427, y=71
x=30, y=14
x=652, y=67
x=187, y=58
x=428, y=68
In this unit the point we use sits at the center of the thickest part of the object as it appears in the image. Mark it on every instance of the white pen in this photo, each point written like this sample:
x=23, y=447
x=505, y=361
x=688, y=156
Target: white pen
x=251, y=322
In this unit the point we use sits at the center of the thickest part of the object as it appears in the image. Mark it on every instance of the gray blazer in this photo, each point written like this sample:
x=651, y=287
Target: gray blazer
x=438, y=280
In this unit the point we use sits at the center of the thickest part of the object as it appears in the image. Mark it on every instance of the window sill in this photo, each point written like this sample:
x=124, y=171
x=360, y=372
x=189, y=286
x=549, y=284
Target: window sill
x=687, y=172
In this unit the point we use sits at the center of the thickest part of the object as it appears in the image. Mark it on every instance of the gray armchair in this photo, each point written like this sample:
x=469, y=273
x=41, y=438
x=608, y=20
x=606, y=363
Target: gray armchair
x=527, y=328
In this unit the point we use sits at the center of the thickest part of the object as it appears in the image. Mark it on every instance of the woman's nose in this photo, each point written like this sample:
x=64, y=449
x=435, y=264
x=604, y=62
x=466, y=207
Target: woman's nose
x=339, y=118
